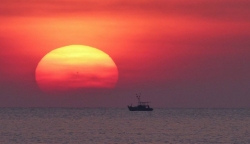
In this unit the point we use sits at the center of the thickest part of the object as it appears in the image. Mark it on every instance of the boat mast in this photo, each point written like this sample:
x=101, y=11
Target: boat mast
x=138, y=97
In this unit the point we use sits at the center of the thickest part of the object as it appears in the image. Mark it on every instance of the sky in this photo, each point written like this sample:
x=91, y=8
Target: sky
x=176, y=53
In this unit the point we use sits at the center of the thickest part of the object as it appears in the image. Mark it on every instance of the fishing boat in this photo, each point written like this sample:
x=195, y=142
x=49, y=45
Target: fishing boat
x=142, y=106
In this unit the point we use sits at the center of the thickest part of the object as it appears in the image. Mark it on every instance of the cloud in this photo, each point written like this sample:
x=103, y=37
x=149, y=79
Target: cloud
x=215, y=9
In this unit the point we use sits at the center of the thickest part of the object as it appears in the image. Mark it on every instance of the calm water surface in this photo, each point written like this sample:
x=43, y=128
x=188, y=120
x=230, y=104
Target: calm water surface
x=86, y=125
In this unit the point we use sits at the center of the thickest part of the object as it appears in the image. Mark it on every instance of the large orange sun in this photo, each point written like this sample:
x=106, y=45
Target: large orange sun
x=75, y=67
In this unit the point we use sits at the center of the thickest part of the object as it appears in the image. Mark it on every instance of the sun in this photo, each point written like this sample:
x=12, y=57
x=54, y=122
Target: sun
x=75, y=67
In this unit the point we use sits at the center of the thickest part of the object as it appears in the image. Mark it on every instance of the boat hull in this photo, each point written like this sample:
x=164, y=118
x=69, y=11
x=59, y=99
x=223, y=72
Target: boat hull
x=139, y=108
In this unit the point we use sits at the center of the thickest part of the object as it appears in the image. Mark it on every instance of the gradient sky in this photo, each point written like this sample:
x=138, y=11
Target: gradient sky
x=176, y=53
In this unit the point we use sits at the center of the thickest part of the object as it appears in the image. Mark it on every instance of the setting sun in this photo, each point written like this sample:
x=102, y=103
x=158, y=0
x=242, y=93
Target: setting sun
x=75, y=67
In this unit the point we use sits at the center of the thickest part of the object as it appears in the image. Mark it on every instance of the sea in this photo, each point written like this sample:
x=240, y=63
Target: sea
x=121, y=126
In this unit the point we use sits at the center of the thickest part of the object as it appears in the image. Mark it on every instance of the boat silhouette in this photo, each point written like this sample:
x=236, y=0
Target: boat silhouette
x=142, y=106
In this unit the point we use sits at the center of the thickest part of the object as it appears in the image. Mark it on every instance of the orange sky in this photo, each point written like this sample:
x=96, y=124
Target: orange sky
x=176, y=53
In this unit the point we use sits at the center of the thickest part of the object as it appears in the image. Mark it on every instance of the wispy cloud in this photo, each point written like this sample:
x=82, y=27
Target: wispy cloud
x=215, y=9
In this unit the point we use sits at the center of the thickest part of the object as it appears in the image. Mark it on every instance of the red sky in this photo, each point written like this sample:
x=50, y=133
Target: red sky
x=176, y=53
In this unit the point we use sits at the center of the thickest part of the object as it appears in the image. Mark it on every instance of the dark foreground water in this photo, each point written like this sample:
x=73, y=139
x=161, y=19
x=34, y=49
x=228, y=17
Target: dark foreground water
x=73, y=126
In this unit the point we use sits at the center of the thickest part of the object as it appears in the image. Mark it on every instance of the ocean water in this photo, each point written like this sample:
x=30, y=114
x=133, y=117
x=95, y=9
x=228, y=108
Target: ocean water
x=110, y=126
